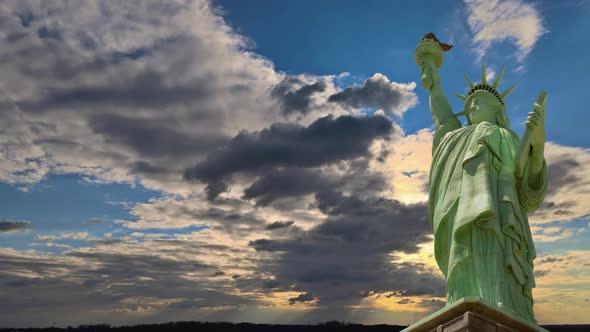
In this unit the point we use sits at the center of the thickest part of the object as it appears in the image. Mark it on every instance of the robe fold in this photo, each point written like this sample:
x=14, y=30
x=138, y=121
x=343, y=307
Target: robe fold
x=478, y=212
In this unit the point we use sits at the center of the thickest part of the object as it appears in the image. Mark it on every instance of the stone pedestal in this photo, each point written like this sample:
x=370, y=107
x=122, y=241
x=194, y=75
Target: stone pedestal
x=472, y=315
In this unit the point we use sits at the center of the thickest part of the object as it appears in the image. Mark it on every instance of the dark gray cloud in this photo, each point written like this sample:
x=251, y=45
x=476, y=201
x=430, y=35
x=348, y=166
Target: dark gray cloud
x=287, y=182
x=295, y=95
x=327, y=140
x=432, y=304
x=566, y=174
x=405, y=301
x=560, y=174
x=266, y=245
x=550, y=259
x=563, y=207
x=215, y=188
x=398, y=293
x=151, y=138
x=292, y=182
x=96, y=221
x=541, y=273
x=144, y=167
x=146, y=89
x=14, y=226
x=563, y=212
x=349, y=252
x=279, y=224
x=108, y=242
x=377, y=92
x=304, y=297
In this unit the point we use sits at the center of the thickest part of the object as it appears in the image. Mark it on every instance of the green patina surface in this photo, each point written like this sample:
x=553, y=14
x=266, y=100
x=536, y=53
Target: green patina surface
x=484, y=180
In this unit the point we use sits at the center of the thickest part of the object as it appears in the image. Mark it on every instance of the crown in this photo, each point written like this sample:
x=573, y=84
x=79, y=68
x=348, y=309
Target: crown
x=485, y=86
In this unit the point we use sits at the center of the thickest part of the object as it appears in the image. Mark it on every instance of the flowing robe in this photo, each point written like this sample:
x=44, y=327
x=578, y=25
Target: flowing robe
x=478, y=211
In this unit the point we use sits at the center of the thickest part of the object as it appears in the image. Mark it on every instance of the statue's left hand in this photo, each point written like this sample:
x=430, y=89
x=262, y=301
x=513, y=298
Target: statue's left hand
x=535, y=122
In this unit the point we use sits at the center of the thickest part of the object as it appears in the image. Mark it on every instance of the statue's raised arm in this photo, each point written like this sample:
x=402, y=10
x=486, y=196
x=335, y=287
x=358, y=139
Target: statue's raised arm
x=429, y=58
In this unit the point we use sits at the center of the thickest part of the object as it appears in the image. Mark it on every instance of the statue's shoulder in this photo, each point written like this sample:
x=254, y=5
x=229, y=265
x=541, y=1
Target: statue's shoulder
x=471, y=130
x=459, y=131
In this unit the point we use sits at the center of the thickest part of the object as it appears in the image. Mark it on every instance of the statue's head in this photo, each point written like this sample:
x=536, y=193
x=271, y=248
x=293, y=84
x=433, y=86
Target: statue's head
x=484, y=103
x=483, y=106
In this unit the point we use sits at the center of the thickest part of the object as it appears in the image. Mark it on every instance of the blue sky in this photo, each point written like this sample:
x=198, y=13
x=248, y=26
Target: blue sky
x=202, y=160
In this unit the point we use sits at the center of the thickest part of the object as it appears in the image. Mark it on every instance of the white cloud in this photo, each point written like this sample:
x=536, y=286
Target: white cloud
x=493, y=21
x=490, y=73
x=407, y=166
x=83, y=236
x=555, y=233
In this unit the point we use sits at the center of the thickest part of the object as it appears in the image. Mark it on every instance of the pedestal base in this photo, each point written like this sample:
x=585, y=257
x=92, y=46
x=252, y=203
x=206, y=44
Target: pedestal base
x=472, y=315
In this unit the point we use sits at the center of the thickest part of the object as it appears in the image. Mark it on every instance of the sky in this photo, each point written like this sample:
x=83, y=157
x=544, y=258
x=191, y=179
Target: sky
x=264, y=161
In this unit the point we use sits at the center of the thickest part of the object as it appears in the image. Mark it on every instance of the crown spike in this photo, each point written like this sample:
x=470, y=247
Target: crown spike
x=507, y=92
x=468, y=81
x=483, y=73
x=462, y=97
x=497, y=81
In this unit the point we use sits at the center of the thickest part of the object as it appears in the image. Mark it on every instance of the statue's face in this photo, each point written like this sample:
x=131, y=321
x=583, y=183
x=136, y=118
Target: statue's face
x=482, y=106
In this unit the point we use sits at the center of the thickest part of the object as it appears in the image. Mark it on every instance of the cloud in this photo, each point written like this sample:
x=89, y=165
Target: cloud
x=136, y=93
x=496, y=21
x=405, y=301
x=568, y=194
x=562, y=287
x=378, y=92
x=549, y=259
x=108, y=283
x=555, y=232
x=151, y=139
x=327, y=140
x=82, y=236
x=353, y=230
x=433, y=304
x=279, y=224
x=22, y=162
x=14, y=226
x=490, y=73
x=407, y=166
x=96, y=221
x=287, y=182
x=349, y=253
x=295, y=95
x=119, y=105
x=304, y=297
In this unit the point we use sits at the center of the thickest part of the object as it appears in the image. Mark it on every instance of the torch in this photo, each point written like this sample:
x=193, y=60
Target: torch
x=429, y=49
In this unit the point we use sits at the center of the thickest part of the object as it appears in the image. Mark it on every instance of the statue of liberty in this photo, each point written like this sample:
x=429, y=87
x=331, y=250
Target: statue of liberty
x=483, y=182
